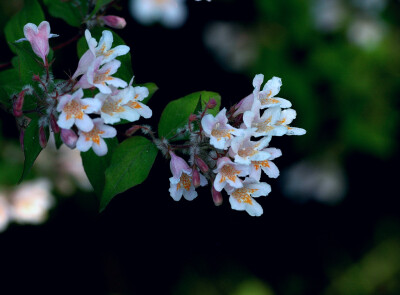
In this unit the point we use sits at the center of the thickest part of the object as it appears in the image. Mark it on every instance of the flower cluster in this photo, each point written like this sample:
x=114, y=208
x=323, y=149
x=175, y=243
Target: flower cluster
x=231, y=150
x=66, y=107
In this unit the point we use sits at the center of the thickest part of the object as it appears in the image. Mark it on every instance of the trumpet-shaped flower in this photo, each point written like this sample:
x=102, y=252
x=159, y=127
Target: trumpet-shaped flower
x=267, y=95
x=101, y=77
x=228, y=172
x=267, y=165
x=123, y=104
x=218, y=129
x=244, y=151
x=266, y=125
x=74, y=110
x=181, y=182
x=138, y=94
x=171, y=13
x=38, y=37
x=286, y=117
x=94, y=138
x=241, y=199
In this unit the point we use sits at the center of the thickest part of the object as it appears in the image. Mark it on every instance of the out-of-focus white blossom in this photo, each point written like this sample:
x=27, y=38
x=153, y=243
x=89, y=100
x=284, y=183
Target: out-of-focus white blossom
x=323, y=181
x=170, y=13
x=31, y=201
x=328, y=15
x=366, y=33
x=4, y=212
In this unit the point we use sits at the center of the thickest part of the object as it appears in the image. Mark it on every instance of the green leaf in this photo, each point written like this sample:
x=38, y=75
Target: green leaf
x=32, y=146
x=73, y=12
x=99, y=5
x=28, y=62
x=177, y=112
x=30, y=13
x=95, y=166
x=9, y=84
x=130, y=166
x=125, y=70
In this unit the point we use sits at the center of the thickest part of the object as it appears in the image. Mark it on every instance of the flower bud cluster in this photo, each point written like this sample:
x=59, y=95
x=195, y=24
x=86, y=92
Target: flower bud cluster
x=64, y=105
x=231, y=150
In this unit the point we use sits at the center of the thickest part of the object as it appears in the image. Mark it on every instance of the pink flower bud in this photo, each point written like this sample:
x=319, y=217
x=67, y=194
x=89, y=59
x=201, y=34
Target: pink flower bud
x=39, y=38
x=42, y=137
x=18, y=104
x=212, y=103
x=195, y=177
x=178, y=165
x=53, y=124
x=217, y=196
x=21, y=138
x=201, y=164
x=69, y=138
x=113, y=21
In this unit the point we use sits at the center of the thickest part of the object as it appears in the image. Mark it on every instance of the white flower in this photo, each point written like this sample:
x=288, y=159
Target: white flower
x=267, y=95
x=267, y=165
x=244, y=151
x=101, y=77
x=228, y=172
x=266, y=125
x=31, y=201
x=286, y=117
x=123, y=104
x=101, y=49
x=74, y=110
x=242, y=198
x=94, y=138
x=4, y=212
x=218, y=129
x=171, y=13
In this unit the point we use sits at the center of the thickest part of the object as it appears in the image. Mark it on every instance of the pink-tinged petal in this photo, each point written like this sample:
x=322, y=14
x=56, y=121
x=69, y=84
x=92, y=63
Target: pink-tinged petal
x=103, y=88
x=44, y=29
x=92, y=43
x=279, y=131
x=207, y=123
x=257, y=81
x=93, y=70
x=178, y=165
x=83, y=82
x=115, y=52
x=77, y=94
x=263, y=189
x=144, y=111
x=190, y=195
x=110, y=119
x=218, y=185
x=130, y=115
x=236, y=184
x=271, y=170
x=124, y=95
x=248, y=118
x=287, y=117
x=105, y=42
x=116, y=82
x=219, y=144
x=255, y=209
x=221, y=117
x=63, y=100
x=175, y=194
x=109, y=132
x=84, y=63
x=100, y=149
x=235, y=205
x=82, y=144
x=283, y=103
x=69, y=138
x=244, y=105
x=273, y=86
x=93, y=105
x=295, y=131
x=203, y=180
x=222, y=162
x=85, y=124
x=62, y=121
x=30, y=31
x=140, y=93
x=255, y=172
x=110, y=68
x=275, y=153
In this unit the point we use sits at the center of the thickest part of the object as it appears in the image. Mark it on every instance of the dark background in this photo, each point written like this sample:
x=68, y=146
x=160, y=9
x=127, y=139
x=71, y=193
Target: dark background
x=145, y=243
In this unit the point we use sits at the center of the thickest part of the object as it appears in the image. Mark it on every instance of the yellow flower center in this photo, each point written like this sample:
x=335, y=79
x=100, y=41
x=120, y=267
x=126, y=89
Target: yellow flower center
x=184, y=182
x=93, y=135
x=229, y=172
x=74, y=109
x=242, y=195
x=111, y=106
